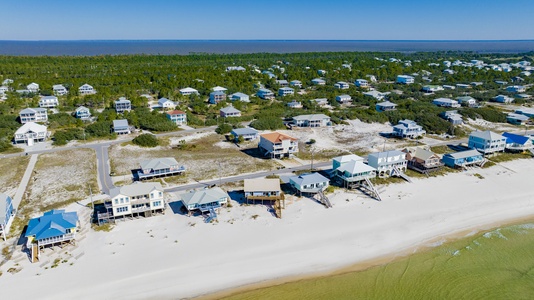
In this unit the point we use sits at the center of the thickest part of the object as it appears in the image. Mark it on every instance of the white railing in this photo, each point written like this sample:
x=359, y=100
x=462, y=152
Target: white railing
x=56, y=239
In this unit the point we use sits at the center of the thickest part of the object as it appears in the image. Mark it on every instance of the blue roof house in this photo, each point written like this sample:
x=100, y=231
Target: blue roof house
x=517, y=143
x=309, y=183
x=247, y=134
x=53, y=227
x=463, y=159
x=6, y=214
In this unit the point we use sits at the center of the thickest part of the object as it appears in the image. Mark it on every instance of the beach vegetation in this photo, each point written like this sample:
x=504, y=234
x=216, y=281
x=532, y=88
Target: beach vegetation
x=146, y=140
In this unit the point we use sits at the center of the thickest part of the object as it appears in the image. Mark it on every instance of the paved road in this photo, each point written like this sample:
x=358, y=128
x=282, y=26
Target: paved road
x=236, y=178
x=102, y=162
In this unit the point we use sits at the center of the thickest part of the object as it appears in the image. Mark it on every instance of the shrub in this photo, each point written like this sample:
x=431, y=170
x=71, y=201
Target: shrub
x=224, y=129
x=146, y=140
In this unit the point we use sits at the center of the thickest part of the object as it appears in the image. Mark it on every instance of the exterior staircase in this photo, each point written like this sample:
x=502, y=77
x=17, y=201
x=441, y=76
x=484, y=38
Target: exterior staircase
x=371, y=188
x=398, y=172
x=324, y=200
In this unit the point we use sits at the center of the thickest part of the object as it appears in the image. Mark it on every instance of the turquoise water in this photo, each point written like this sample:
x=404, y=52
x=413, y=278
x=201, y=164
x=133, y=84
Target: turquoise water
x=495, y=265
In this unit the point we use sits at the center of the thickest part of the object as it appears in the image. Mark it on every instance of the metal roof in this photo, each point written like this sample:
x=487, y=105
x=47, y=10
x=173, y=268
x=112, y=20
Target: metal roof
x=120, y=123
x=229, y=109
x=244, y=131
x=516, y=139
x=311, y=117
x=51, y=224
x=463, y=154
x=354, y=167
x=158, y=163
x=203, y=196
x=487, y=135
x=306, y=179
x=31, y=126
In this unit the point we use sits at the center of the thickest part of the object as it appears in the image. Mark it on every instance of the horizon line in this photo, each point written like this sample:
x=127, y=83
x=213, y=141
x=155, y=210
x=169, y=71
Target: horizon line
x=273, y=40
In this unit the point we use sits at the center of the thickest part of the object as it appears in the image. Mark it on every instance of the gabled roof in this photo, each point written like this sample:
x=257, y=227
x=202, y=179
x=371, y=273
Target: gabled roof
x=230, y=110
x=421, y=153
x=306, y=179
x=487, y=135
x=122, y=100
x=136, y=189
x=32, y=110
x=262, y=185
x=463, y=154
x=386, y=154
x=277, y=137
x=386, y=104
x=188, y=89
x=354, y=167
x=31, y=126
x=244, y=131
x=85, y=86
x=314, y=117
x=51, y=224
x=347, y=158
x=203, y=196
x=120, y=123
x=239, y=94
x=163, y=100
x=158, y=163
x=81, y=108
x=219, y=88
x=516, y=139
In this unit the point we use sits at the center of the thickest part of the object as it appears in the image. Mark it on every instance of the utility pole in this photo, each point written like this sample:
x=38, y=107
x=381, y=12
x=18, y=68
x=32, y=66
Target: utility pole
x=91, y=195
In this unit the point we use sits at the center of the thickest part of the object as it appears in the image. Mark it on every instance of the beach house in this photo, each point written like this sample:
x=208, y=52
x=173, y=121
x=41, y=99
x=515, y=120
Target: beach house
x=121, y=126
x=429, y=89
x=294, y=104
x=385, y=106
x=518, y=143
x=361, y=83
x=59, y=90
x=219, y=89
x=31, y=133
x=277, y=145
x=247, y=134
x=6, y=214
x=452, y=116
x=342, y=85
x=321, y=102
x=239, y=97
x=205, y=200
x=343, y=99
x=54, y=227
x=33, y=87
x=315, y=120
x=467, y=101
x=86, y=90
x=282, y=83
x=165, y=103
x=285, y=91
x=122, y=105
x=188, y=91
x=349, y=171
x=217, y=96
x=296, y=83
x=158, y=167
x=517, y=119
x=48, y=102
x=405, y=79
x=178, y=117
x=235, y=68
x=463, y=159
x=376, y=94
x=33, y=115
x=264, y=189
x=265, y=94
x=503, y=99
x=318, y=81
x=445, y=102
x=527, y=111
x=486, y=142
x=229, y=111
x=309, y=183
x=516, y=89
x=388, y=163
x=422, y=160
x=408, y=129
x=137, y=199
x=82, y=112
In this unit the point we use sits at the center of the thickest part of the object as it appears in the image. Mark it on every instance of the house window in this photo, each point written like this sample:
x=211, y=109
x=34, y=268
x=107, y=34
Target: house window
x=127, y=199
x=122, y=209
x=156, y=203
x=116, y=201
x=160, y=194
x=122, y=200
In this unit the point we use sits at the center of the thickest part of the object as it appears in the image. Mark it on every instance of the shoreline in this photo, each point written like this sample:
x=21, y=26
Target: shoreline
x=173, y=256
x=373, y=262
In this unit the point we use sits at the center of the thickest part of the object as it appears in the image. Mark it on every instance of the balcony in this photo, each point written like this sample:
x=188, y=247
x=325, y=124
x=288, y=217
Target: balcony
x=56, y=239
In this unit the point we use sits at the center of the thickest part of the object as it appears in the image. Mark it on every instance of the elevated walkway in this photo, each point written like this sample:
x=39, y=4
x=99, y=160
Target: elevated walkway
x=324, y=200
x=397, y=172
x=211, y=216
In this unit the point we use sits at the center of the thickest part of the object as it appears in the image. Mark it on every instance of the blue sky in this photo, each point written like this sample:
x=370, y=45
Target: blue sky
x=275, y=19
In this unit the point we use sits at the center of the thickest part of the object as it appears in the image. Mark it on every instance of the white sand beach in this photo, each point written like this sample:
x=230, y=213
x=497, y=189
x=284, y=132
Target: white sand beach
x=174, y=256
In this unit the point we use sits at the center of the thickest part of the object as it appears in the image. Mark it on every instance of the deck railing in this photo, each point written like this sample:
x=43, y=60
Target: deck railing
x=56, y=239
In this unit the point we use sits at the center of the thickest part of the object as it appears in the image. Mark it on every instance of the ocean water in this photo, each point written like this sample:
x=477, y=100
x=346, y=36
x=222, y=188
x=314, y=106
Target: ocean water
x=493, y=265
x=166, y=47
